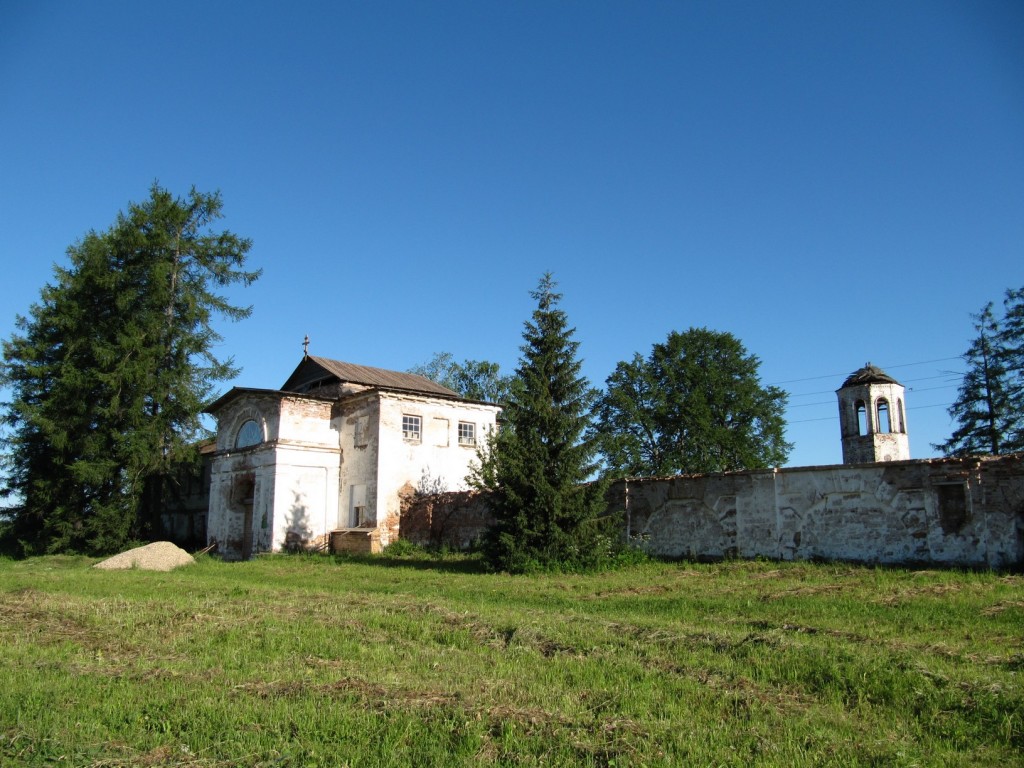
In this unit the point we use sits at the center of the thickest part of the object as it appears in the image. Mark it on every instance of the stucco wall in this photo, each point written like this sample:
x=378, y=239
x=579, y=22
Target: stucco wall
x=325, y=465
x=945, y=511
x=437, y=456
x=282, y=491
x=241, y=494
x=880, y=441
x=305, y=498
x=358, y=423
x=307, y=422
x=948, y=511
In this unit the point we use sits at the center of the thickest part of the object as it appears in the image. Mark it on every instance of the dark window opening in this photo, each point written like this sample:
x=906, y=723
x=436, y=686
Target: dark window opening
x=884, y=425
x=952, y=500
x=862, y=417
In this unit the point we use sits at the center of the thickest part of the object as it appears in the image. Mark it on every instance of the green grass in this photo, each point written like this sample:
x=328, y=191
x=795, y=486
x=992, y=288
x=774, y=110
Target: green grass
x=307, y=661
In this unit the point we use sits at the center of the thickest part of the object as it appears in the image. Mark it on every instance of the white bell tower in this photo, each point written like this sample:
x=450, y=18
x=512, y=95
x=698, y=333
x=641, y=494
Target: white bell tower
x=872, y=417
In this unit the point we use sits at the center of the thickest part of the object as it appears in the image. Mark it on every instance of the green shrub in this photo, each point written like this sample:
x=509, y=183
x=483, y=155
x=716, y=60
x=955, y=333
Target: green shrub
x=404, y=548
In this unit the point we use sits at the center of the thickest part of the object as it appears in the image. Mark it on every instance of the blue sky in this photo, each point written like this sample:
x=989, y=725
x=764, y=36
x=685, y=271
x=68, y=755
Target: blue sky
x=834, y=183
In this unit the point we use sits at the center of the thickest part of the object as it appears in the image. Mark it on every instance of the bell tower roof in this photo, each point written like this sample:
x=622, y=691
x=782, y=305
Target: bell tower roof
x=869, y=374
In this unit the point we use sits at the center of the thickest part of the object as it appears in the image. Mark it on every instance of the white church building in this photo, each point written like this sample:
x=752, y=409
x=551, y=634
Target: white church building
x=328, y=457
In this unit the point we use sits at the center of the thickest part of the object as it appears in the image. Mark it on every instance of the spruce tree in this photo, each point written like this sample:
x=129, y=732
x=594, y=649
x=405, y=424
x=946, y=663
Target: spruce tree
x=110, y=372
x=535, y=469
x=987, y=419
x=1011, y=343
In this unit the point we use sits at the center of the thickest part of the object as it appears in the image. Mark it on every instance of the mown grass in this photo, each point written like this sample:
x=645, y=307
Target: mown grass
x=296, y=661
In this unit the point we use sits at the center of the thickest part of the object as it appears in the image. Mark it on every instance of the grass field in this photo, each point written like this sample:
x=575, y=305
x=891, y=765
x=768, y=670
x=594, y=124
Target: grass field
x=309, y=661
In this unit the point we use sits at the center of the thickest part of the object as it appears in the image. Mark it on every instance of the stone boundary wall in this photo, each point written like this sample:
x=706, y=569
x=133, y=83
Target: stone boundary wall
x=958, y=512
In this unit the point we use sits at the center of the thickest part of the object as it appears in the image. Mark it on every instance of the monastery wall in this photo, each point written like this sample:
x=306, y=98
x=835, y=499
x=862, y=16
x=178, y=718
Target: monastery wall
x=966, y=512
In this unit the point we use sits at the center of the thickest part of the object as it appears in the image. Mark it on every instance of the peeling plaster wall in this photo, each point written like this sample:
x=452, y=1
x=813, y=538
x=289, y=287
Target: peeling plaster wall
x=307, y=422
x=275, y=494
x=358, y=422
x=307, y=463
x=229, y=493
x=304, y=509
x=320, y=459
x=949, y=511
x=436, y=456
x=945, y=512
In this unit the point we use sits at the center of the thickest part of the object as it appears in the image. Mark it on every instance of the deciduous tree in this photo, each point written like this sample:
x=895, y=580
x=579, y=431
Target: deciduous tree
x=473, y=379
x=110, y=371
x=696, y=404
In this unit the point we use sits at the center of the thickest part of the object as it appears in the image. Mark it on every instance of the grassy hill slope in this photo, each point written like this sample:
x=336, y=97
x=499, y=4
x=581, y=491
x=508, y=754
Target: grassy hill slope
x=308, y=661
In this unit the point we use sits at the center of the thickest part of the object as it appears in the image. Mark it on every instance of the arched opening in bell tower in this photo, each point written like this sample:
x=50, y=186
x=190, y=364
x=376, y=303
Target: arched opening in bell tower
x=882, y=409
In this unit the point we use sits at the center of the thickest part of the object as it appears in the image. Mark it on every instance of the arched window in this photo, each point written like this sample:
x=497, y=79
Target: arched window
x=862, y=417
x=899, y=415
x=884, y=425
x=249, y=434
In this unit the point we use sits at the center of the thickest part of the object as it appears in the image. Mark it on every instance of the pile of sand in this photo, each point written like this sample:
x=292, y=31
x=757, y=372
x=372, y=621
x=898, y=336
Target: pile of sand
x=158, y=556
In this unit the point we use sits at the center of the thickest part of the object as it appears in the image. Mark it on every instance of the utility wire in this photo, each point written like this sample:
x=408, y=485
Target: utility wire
x=833, y=402
x=905, y=381
x=886, y=367
x=836, y=417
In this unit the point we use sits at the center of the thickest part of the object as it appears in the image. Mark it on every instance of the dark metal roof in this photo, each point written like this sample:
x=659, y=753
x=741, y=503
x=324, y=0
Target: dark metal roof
x=869, y=374
x=321, y=369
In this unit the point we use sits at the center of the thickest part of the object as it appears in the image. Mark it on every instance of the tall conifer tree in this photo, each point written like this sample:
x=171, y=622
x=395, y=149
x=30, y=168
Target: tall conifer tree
x=536, y=468
x=1011, y=341
x=111, y=370
x=987, y=409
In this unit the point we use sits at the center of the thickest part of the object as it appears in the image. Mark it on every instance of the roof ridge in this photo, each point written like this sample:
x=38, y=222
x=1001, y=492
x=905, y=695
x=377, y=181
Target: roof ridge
x=375, y=376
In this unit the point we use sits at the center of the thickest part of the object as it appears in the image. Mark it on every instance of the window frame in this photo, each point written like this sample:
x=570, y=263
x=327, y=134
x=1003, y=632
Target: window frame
x=409, y=434
x=256, y=430
x=467, y=434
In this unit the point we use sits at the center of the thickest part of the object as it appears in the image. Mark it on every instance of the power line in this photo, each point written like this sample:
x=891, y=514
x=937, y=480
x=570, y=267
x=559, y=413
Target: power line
x=833, y=402
x=886, y=367
x=940, y=376
x=905, y=381
x=836, y=416
x=930, y=389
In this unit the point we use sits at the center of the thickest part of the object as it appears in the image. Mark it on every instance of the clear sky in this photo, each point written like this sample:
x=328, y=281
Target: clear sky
x=832, y=182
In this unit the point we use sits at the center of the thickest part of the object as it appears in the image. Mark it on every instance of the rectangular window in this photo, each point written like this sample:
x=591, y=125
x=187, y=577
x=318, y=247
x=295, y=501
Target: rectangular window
x=412, y=428
x=467, y=433
x=953, y=510
x=439, y=431
x=357, y=507
x=361, y=433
